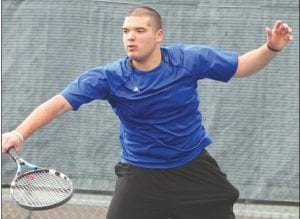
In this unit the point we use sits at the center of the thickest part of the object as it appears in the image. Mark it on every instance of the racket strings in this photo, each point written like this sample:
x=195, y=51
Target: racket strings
x=41, y=188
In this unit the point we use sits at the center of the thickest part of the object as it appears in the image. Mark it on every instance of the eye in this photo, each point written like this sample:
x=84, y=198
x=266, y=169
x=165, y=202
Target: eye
x=141, y=30
x=125, y=31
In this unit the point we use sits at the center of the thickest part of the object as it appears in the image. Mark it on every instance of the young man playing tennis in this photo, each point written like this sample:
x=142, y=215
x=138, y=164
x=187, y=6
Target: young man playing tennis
x=164, y=170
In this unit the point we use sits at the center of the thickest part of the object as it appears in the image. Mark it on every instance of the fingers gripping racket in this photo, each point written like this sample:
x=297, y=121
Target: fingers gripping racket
x=36, y=188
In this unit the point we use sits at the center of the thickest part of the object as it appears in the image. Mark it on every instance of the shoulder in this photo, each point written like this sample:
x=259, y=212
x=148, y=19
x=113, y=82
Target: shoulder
x=111, y=70
x=184, y=54
x=173, y=53
x=187, y=48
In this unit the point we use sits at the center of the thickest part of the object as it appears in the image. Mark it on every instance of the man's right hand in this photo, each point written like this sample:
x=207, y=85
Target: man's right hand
x=11, y=139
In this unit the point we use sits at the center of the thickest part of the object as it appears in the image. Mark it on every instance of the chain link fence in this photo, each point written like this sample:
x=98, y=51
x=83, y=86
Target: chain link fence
x=94, y=206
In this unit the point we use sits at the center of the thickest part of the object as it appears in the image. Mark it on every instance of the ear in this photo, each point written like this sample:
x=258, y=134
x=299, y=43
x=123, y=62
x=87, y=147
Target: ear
x=160, y=35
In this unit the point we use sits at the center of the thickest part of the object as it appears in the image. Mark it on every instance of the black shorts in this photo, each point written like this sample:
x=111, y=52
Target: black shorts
x=197, y=190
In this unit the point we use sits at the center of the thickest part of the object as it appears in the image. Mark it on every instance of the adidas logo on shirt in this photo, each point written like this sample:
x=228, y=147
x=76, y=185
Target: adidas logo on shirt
x=136, y=90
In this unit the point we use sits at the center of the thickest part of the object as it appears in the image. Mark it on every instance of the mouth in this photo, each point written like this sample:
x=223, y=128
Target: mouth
x=131, y=47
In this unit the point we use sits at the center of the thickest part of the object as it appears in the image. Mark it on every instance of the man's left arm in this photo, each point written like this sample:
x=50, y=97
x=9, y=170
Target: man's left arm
x=277, y=38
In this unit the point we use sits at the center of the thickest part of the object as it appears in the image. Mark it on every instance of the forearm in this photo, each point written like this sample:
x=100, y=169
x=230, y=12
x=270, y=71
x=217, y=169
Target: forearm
x=43, y=115
x=254, y=61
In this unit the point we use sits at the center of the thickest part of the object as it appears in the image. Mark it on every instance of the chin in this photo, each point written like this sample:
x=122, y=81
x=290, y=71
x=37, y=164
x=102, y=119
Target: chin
x=134, y=57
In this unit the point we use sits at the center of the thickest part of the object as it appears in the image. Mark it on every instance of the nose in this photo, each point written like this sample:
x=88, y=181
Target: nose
x=130, y=36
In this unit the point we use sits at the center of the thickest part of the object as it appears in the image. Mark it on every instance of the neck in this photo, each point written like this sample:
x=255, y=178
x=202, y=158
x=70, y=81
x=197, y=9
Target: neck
x=149, y=64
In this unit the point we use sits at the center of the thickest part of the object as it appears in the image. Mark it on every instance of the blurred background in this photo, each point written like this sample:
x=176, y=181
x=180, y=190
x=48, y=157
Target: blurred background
x=254, y=122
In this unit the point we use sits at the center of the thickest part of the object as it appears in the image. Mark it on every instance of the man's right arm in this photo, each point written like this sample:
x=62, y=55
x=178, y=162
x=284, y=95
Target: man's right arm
x=40, y=117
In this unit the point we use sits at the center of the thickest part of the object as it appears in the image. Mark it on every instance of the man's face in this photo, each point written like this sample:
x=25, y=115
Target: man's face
x=140, y=39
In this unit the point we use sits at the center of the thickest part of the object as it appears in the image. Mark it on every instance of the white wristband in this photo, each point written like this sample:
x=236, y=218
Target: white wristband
x=19, y=135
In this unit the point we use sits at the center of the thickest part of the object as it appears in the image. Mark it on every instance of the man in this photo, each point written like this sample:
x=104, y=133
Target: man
x=164, y=170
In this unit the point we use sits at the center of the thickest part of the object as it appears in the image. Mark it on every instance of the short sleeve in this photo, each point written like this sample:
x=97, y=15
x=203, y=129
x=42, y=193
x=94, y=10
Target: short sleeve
x=87, y=87
x=212, y=63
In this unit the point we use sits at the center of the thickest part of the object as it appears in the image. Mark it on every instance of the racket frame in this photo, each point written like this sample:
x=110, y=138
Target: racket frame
x=22, y=164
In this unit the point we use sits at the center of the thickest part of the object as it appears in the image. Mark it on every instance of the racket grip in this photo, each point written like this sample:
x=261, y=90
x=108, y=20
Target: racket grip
x=13, y=153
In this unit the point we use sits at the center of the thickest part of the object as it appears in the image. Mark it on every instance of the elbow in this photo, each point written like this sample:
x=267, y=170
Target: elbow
x=245, y=69
x=62, y=103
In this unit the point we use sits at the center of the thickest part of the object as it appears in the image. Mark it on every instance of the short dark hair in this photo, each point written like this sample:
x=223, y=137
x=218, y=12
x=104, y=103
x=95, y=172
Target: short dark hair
x=147, y=11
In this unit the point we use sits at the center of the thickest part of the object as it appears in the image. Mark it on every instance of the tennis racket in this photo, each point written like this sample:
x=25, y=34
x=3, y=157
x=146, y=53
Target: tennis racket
x=36, y=188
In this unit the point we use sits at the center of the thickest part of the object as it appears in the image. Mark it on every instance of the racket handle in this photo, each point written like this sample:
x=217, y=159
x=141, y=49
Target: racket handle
x=13, y=153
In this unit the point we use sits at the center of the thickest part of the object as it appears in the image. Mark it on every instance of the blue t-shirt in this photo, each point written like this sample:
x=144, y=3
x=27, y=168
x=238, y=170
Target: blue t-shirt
x=160, y=122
